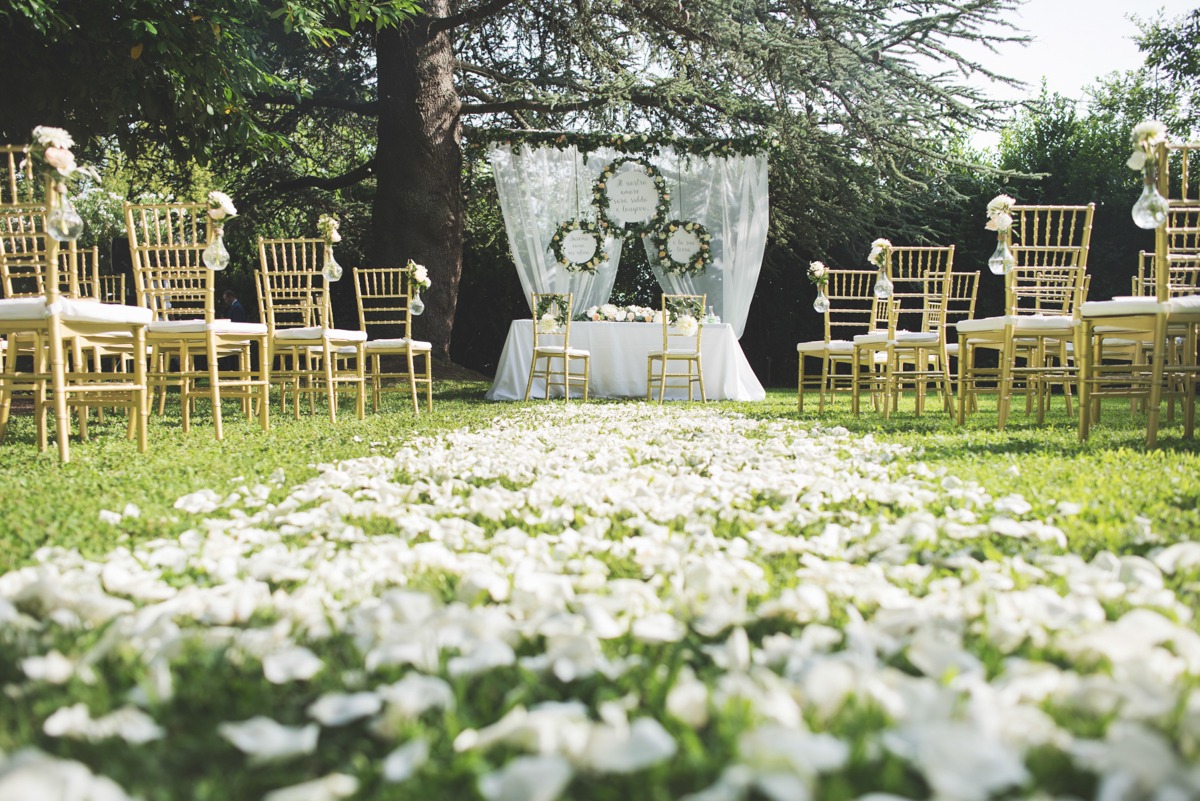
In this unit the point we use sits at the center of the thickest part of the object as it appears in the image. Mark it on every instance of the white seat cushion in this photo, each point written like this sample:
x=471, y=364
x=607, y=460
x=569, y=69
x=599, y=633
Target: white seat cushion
x=916, y=338
x=1184, y=304
x=873, y=338
x=199, y=327
x=398, y=344
x=982, y=325
x=556, y=350
x=1026, y=323
x=1120, y=307
x=319, y=332
x=74, y=310
x=819, y=345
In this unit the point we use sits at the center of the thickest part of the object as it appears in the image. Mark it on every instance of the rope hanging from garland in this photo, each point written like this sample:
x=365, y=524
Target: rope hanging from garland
x=603, y=185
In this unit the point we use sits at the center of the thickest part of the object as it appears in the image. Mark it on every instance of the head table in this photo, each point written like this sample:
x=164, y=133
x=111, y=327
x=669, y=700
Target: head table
x=619, y=362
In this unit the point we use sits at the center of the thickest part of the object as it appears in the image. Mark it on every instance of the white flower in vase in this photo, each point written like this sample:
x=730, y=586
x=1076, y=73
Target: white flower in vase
x=327, y=226
x=880, y=251
x=419, y=275
x=999, y=213
x=818, y=273
x=1145, y=137
x=220, y=206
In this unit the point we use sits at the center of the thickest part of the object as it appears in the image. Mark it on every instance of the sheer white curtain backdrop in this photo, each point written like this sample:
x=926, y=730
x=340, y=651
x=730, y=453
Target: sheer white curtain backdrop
x=728, y=196
x=541, y=187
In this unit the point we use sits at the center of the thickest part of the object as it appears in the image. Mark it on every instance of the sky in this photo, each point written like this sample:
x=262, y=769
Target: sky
x=1075, y=42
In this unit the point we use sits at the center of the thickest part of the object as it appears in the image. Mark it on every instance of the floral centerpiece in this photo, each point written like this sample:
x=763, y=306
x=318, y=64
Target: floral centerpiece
x=610, y=313
x=818, y=273
x=1150, y=210
x=1000, y=220
x=881, y=257
x=327, y=227
x=419, y=276
x=51, y=158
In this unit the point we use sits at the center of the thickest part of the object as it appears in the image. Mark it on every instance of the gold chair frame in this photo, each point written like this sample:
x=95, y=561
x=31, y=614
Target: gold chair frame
x=313, y=353
x=166, y=242
x=678, y=346
x=554, y=345
x=383, y=295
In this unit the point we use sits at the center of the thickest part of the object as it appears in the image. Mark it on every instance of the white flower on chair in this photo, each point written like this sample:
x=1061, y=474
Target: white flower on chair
x=220, y=206
x=687, y=325
x=1146, y=136
x=547, y=323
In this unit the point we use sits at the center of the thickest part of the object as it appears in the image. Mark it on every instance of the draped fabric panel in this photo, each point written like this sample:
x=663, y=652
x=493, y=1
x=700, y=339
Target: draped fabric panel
x=541, y=187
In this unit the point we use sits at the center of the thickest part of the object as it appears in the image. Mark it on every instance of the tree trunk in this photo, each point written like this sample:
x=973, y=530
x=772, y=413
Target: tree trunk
x=418, y=212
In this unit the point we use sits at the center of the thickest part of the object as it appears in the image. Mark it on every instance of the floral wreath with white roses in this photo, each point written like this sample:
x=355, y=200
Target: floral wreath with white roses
x=661, y=210
x=598, y=229
x=697, y=263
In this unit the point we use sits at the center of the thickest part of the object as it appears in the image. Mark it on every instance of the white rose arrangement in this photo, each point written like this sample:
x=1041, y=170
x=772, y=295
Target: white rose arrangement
x=327, y=226
x=999, y=213
x=51, y=151
x=220, y=206
x=1146, y=136
x=881, y=253
x=818, y=273
x=418, y=274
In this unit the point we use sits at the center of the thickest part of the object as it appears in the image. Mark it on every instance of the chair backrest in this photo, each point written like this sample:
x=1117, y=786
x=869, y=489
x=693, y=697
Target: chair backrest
x=17, y=184
x=166, y=243
x=110, y=288
x=23, y=257
x=961, y=297
x=853, y=307
x=551, y=319
x=921, y=285
x=293, y=290
x=1177, y=240
x=383, y=295
x=683, y=321
x=1050, y=248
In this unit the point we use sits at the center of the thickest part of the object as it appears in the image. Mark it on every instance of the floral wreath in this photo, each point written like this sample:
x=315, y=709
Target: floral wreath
x=697, y=263
x=600, y=196
x=599, y=229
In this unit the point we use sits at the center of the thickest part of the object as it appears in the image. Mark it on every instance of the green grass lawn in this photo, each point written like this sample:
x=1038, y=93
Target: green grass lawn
x=1118, y=483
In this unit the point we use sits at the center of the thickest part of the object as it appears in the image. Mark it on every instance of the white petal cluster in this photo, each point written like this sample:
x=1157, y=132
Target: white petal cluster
x=708, y=572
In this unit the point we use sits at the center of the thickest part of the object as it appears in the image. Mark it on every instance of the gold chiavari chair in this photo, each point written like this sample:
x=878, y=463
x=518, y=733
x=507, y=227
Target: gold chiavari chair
x=1164, y=323
x=384, y=295
x=1043, y=293
x=315, y=357
x=683, y=325
x=50, y=324
x=921, y=285
x=166, y=242
x=853, y=309
x=552, y=345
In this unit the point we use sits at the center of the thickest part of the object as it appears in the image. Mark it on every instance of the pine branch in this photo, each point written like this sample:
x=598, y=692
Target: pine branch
x=357, y=175
x=467, y=16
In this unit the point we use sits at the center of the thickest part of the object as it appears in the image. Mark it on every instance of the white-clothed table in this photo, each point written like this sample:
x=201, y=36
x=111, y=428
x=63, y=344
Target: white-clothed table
x=619, y=362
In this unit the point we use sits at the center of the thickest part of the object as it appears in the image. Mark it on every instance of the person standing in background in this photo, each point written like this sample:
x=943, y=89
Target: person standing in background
x=233, y=306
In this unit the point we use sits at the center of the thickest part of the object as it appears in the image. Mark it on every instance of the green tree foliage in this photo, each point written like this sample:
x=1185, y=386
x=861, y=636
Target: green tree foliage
x=1170, y=47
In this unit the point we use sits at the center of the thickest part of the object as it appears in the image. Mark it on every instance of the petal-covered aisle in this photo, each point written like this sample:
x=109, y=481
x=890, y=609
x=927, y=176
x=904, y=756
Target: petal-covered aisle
x=598, y=601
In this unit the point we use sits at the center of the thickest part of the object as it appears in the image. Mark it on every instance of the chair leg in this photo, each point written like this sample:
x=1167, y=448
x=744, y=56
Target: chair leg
x=412, y=380
x=214, y=378
x=529, y=383
x=1157, y=365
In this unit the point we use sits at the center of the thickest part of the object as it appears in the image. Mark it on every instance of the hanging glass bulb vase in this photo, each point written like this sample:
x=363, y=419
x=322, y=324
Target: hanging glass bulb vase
x=1002, y=260
x=821, y=304
x=331, y=269
x=1150, y=210
x=63, y=223
x=416, y=306
x=215, y=256
x=883, y=285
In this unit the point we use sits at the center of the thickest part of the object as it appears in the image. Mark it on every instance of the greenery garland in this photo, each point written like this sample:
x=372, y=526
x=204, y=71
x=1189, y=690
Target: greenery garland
x=597, y=229
x=698, y=263
x=649, y=144
x=600, y=196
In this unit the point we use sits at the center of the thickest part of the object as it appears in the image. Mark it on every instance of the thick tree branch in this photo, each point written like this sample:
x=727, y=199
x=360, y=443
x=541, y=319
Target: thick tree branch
x=358, y=174
x=365, y=107
x=467, y=16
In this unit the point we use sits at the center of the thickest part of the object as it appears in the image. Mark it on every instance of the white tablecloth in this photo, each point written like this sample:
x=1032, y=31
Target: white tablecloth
x=619, y=362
